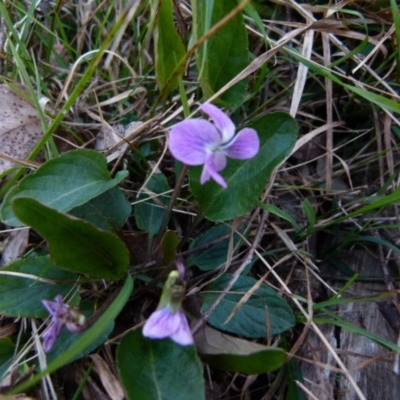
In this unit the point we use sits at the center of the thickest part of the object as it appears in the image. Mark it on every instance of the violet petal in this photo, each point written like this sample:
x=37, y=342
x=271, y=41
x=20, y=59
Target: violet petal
x=214, y=162
x=162, y=324
x=205, y=175
x=50, y=335
x=183, y=335
x=48, y=339
x=219, y=161
x=245, y=145
x=56, y=308
x=223, y=123
x=190, y=139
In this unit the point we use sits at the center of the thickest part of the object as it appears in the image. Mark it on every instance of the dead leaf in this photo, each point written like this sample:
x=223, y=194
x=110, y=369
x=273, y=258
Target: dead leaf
x=20, y=127
x=110, y=382
x=91, y=390
x=111, y=136
x=15, y=247
x=211, y=341
x=229, y=353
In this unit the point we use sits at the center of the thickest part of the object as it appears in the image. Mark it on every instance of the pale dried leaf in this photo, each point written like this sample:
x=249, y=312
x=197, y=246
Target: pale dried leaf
x=20, y=127
x=115, y=137
x=15, y=247
x=211, y=341
x=110, y=382
x=91, y=390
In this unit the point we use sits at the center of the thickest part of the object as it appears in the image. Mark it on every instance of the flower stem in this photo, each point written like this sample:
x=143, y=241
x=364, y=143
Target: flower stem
x=171, y=203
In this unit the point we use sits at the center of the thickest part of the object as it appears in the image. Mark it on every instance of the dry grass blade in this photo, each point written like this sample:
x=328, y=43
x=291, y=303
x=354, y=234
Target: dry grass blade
x=329, y=114
x=302, y=72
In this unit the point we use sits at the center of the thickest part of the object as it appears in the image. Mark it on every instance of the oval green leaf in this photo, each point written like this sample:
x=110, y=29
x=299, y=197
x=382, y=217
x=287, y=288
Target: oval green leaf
x=75, y=245
x=150, y=209
x=224, y=54
x=214, y=255
x=108, y=211
x=169, y=48
x=246, y=179
x=159, y=369
x=64, y=182
x=264, y=308
x=169, y=244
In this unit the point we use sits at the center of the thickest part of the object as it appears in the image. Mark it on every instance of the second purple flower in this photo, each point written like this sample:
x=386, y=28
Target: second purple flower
x=200, y=142
x=62, y=314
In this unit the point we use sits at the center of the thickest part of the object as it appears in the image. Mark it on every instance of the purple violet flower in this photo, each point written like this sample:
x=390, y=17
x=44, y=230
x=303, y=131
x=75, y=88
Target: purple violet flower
x=169, y=320
x=164, y=323
x=200, y=142
x=62, y=315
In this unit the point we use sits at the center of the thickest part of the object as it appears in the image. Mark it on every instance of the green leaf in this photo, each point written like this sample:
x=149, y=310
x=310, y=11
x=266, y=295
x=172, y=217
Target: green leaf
x=169, y=48
x=264, y=308
x=246, y=179
x=7, y=354
x=169, y=244
x=232, y=354
x=150, y=213
x=334, y=301
x=211, y=257
x=63, y=183
x=251, y=11
x=309, y=212
x=294, y=373
x=26, y=282
x=108, y=211
x=86, y=339
x=75, y=245
x=161, y=369
x=273, y=209
x=224, y=54
x=341, y=266
x=350, y=327
x=67, y=339
x=377, y=240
